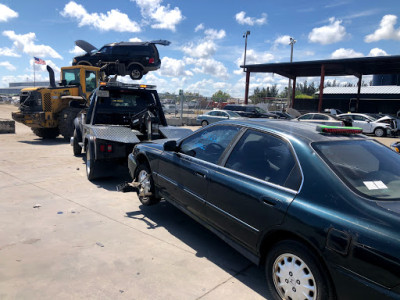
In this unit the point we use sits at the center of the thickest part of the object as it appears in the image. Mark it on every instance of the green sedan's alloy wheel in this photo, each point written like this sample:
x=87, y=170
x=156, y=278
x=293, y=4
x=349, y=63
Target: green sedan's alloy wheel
x=146, y=189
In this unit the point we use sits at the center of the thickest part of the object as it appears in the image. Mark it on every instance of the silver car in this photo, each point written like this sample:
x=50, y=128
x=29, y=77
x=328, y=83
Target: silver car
x=217, y=115
x=320, y=118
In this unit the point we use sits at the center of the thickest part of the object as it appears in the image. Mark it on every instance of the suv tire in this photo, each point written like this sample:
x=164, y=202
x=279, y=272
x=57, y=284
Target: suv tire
x=135, y=72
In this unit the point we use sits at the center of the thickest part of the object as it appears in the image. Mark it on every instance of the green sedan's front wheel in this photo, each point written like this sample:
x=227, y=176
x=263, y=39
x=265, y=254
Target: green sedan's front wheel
x=146, y=192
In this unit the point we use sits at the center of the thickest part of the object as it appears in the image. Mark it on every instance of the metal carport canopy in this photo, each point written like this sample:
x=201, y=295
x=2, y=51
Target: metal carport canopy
x=329, y=67
x=333, y=67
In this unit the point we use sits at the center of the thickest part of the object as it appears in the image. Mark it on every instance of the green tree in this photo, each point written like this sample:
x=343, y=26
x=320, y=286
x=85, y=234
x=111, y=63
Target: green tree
x=220, y=96
x=259, y=95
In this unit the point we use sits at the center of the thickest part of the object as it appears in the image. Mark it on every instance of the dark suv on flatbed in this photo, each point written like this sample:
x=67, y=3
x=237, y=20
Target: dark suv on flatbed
x=125, y=58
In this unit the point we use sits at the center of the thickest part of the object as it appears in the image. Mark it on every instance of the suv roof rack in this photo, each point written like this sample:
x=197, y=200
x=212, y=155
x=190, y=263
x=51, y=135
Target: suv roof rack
x=128, y=85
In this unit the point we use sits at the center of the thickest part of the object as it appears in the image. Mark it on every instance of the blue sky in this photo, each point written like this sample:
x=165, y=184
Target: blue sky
x=207, y=43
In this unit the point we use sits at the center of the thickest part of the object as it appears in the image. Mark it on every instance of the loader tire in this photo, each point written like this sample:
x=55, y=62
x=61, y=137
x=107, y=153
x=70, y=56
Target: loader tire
x=46, y=133
x=66, y=121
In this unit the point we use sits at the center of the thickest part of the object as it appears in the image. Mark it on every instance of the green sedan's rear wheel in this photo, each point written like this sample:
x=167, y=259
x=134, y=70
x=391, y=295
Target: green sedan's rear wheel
x=294, y=272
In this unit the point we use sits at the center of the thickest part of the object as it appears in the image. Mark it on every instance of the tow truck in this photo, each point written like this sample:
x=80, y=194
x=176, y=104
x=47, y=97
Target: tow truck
x=119, y=117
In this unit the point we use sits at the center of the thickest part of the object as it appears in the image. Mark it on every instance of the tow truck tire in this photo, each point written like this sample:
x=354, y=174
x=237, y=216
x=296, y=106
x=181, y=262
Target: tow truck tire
x=136, y=72
x=76, y=147
x=379, y=132
x=92, y=166
x=66, y=121
x=46, y=133
x=143, y=174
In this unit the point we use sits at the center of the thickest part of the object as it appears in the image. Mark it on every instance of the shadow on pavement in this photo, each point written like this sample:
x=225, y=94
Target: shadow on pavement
x=204, y=242
x=46, y=142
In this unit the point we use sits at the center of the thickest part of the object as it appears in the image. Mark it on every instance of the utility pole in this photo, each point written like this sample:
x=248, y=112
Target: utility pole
x=246, y=89
x=291, y=43
x=247, y=33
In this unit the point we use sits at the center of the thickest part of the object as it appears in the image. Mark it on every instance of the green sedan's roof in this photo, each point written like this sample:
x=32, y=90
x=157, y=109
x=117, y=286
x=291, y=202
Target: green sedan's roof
x=304, y=131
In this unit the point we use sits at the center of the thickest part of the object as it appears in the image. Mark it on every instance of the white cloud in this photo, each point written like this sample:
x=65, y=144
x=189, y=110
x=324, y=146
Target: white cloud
x=173, y=67
x=7, y=65
x=255, y=57
x=208, y=66
x=202, y=50
x=25, y=43
x=215, y=34
x=208, y=87
x=377, y=52
x=77, y=51
x=329, y=34
x=243, y=20
x=345, y=53
x=8, y=52
x=6, y=13
x=135, y=40
x=386, y=30
x=164, y=16
x=199, y=27
x=113, y=20
x=283, y=40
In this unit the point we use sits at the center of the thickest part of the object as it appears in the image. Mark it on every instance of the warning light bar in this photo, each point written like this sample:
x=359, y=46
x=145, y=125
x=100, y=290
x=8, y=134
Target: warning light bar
x=128, y=85
x=338, y=129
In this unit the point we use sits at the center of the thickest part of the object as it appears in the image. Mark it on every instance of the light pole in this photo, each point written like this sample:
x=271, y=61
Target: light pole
x=245, y=48
x=291, y=43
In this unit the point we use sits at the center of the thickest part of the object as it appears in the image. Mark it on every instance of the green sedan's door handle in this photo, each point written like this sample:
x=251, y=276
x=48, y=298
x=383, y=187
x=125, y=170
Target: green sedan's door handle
x=269, y=200
x=199, y=174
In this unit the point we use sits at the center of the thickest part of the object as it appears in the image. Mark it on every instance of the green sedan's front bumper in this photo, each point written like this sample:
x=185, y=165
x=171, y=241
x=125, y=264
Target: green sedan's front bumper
x=132, y=165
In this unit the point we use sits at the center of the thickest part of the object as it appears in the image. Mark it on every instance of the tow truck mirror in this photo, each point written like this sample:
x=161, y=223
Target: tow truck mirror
x=170, y=146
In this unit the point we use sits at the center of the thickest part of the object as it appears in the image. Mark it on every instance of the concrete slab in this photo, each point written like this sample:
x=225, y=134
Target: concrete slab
x=64, y=237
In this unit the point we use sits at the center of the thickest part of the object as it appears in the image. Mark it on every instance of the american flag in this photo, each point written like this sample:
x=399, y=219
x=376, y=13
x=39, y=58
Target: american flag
x=39, y=61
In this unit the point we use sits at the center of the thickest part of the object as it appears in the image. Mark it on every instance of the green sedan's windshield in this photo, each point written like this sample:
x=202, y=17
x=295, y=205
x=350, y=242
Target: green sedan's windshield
x=369, y=168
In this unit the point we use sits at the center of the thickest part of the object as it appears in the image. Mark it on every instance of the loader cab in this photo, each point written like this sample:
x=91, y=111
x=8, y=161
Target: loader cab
x=85, y=76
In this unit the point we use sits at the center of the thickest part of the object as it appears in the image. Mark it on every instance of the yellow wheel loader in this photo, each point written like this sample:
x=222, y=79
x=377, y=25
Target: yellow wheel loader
x=50, y=111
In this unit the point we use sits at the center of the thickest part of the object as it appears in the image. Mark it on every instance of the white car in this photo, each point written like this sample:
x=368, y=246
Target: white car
x=370, y=125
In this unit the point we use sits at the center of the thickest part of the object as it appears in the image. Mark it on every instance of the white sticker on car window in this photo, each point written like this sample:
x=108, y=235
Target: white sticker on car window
x=375, y=185
x=380, y=184
x=370, y=185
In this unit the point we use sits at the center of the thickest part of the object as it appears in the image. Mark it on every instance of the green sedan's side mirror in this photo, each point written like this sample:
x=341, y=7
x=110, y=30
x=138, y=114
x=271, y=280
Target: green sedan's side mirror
x=170, y=146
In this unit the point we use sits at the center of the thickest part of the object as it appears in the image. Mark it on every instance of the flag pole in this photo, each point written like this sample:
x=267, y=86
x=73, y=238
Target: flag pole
x=34, y=75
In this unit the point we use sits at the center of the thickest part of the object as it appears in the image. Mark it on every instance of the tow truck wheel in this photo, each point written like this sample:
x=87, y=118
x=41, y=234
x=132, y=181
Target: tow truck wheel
x=92, y=166
x=46, y=133
x=146, y=192
x=76, y=147
x=136, y=73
